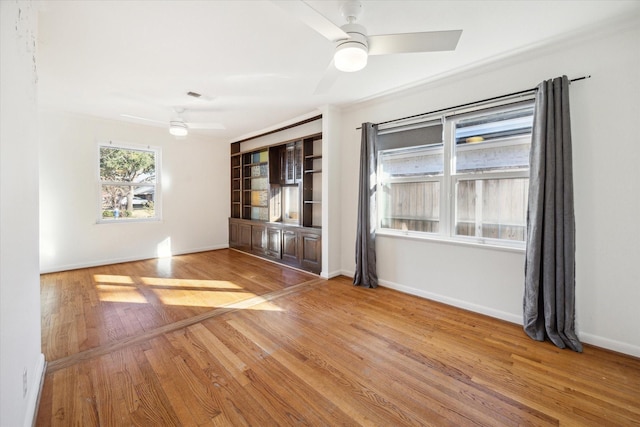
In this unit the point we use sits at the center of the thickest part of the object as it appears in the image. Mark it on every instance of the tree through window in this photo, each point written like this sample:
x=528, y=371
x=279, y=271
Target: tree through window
x=128, y=183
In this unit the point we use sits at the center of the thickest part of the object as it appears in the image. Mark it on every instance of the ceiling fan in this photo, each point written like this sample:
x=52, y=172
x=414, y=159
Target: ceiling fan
x=177, y=125
x=352, y=43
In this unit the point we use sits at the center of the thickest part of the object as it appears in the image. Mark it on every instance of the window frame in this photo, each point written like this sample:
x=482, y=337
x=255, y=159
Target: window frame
x=157, y=198
x=449, y=180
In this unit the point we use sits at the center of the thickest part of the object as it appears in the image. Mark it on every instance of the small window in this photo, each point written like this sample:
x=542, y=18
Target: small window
x=129, y=182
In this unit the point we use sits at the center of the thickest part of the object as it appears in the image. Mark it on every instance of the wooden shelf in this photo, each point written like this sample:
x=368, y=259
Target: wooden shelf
x=236, y=181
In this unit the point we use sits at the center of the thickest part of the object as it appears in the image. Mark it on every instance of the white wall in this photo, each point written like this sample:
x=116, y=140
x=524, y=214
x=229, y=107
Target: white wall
x=20, y=349
x=331, y=214
x=605, y=117
x=195, y=194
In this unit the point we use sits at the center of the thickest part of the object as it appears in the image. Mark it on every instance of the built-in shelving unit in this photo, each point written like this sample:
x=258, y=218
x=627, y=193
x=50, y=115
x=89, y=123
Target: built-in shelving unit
x=276, y=202
x=255, y=168
x=236, y=181
x=312, y=183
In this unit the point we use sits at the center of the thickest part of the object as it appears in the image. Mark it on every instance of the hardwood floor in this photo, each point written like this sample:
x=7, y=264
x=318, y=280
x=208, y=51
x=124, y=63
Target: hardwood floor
x=221, y=338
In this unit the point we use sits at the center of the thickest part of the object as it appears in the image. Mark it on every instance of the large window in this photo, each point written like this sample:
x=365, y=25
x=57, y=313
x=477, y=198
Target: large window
x=129, y=183
x=462, y=177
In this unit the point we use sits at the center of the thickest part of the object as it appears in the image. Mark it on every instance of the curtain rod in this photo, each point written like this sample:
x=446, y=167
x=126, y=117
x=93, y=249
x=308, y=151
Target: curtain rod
x=495, y=98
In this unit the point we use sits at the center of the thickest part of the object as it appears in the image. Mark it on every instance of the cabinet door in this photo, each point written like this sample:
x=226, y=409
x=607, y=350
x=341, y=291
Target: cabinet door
x=292, y=163
x=234, y=234
x=311, y=251
x=273, y=242
x=289, y=164
x=244, y=236
x=258, y=239
x=275, y=165
x=290, y=247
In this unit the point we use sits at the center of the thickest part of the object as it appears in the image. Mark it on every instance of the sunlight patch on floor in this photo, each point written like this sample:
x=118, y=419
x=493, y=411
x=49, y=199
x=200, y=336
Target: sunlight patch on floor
x=264, y=305
x=200, y=298
x=112, y=278
x=119, y=293
x=178, y=292
x=189, y=283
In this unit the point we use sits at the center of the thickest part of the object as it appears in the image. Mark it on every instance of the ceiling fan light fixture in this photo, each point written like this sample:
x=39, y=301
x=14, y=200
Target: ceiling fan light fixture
x=351, y=56
x=178, y=128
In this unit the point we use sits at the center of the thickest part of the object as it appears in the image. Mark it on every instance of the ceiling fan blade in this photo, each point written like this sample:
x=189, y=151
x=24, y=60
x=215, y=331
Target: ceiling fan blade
x=314, y=19
x=129, y=116
x=205, y=126
x=328, y=80
x=432, y=41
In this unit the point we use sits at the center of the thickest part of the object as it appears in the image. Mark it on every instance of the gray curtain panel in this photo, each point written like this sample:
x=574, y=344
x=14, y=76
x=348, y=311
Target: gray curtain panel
x=366, y=273
x=549, y=294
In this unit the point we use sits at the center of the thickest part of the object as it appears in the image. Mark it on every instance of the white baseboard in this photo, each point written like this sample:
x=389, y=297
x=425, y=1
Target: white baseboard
x=587, y=338
x=97, y=263
x=347, y=273
x=617, y=346
x=332, y=274
x=35, y=389
x=476, y=308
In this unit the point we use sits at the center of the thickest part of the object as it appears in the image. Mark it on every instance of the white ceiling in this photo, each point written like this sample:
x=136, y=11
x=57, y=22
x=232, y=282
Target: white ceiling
x=260, y=65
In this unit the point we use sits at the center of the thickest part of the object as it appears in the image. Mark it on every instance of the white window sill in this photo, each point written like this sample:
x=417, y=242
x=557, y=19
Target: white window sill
x=516, y=247
x=128, y=221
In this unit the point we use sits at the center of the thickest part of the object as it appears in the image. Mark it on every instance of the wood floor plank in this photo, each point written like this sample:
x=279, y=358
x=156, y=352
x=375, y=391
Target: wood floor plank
x=154, y=407
x=221, y=338
x=173, y=392
x=231, y=362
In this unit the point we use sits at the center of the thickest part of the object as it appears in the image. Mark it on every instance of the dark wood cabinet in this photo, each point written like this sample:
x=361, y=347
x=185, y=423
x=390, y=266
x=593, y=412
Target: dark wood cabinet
x=234, y=233
x=286, y=163
x=274, y=242
x=245, y=236
x=311, y=251
x=290, y=252
x=275, y=165
x=258, y=239
x=240, y=235
x=297, y=247
x=276, y=202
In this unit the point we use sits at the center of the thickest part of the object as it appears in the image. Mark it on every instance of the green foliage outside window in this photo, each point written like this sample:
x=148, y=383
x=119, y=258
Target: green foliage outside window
x=128, y=180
